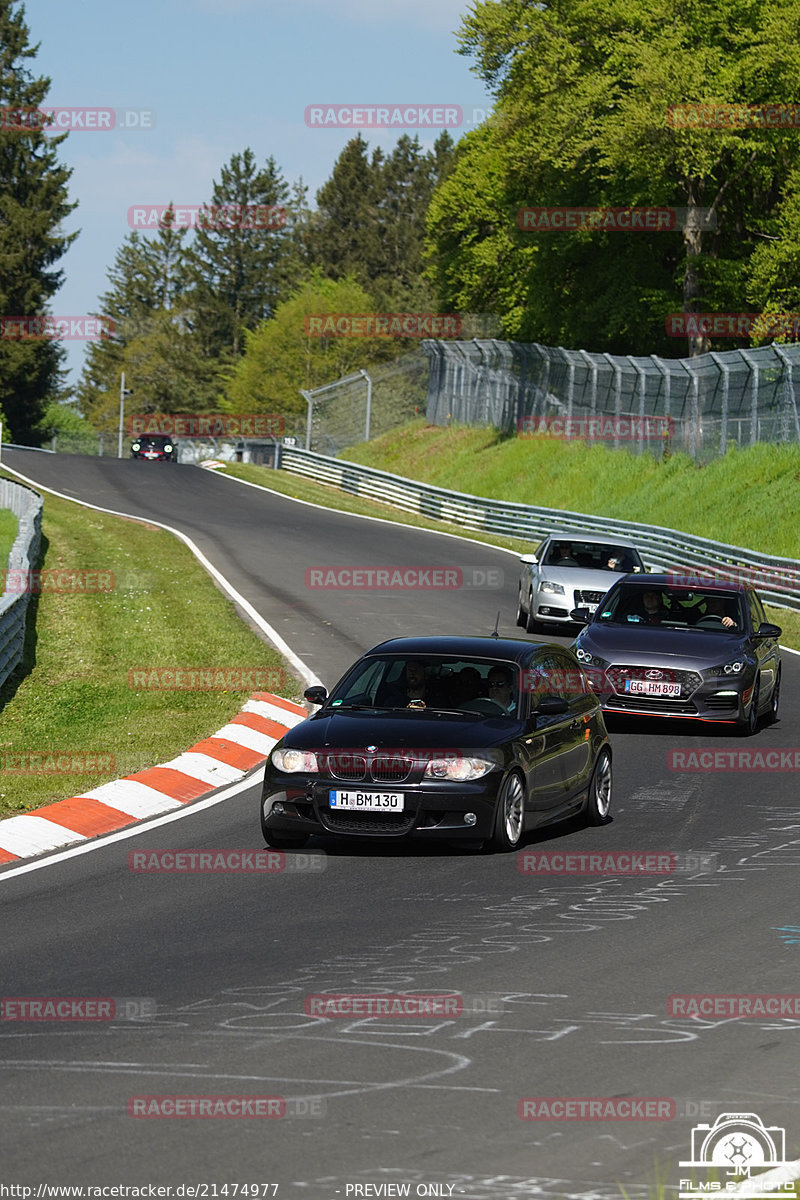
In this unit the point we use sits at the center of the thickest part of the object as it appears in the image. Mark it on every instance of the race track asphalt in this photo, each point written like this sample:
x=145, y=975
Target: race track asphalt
x=568, y=977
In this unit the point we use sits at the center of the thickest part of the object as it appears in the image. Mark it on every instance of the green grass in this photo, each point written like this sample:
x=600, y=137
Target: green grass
x=74, y=697
x=748, y=498
x=9, y=526
x=301, y=488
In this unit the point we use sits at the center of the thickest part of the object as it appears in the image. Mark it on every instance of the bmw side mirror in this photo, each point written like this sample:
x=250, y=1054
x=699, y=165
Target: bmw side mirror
x=551, y=706
x=580, y=616
x=766, y=630
x=316, y=694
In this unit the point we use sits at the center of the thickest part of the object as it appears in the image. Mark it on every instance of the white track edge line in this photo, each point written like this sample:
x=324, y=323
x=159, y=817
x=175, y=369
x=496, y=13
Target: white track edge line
x=304, y=671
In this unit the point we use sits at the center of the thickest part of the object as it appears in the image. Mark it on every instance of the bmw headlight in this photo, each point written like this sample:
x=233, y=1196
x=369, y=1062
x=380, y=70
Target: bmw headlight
x=459, y=770
x=548, y=586
x=293, y=762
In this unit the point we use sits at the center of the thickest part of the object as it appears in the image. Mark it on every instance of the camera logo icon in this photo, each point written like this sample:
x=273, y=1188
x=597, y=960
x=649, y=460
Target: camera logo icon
x=737, y=1144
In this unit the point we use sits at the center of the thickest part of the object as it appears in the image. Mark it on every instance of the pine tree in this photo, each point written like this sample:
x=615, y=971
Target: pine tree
x=33, y=205
x=152, y=342
x=238, y=273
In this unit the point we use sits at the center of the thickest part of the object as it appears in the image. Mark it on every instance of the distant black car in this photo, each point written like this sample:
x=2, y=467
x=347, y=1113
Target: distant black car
x=662, y=646
x=155, y=447
x=449, y=738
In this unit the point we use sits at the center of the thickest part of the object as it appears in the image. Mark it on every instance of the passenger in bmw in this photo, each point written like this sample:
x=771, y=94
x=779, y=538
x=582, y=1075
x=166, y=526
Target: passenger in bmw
x=411, y=690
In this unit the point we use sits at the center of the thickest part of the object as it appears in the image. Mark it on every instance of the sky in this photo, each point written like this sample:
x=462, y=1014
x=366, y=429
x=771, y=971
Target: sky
x=201, y=80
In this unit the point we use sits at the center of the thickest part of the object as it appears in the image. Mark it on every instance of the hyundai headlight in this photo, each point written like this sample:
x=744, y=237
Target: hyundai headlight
x=457, y=769
x=589, y=660
x=293, y=762
x=729, y=668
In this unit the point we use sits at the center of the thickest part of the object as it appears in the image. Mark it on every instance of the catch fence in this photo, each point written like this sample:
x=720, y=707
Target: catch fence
x=701, y=405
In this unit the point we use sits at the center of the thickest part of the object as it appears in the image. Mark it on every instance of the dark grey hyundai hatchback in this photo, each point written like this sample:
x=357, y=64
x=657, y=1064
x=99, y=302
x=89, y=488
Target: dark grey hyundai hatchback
x=683, y=646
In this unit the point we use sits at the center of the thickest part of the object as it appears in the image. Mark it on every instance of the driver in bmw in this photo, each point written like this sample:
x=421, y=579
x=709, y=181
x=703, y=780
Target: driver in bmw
x=501, y=689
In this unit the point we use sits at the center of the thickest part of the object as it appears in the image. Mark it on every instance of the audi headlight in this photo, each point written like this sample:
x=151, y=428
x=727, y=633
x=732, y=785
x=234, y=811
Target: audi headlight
x=459, y=770
x=548, y=586
x=293, y=762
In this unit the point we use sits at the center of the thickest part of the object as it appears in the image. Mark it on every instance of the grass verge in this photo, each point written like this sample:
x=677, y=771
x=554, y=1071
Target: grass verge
x=74, y=717
x=300, y=488
x=747, y=498
x=9, y=527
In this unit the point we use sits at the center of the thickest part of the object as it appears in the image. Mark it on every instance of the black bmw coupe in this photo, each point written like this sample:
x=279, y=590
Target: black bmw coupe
x=461, y=739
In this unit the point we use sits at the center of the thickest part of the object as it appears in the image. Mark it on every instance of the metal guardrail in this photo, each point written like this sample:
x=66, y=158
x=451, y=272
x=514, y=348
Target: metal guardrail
x=27, y=507
x=777, y=579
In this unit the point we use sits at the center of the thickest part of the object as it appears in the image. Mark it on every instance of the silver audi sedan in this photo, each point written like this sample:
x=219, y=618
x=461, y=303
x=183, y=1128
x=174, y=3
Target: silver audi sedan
x=571, y=569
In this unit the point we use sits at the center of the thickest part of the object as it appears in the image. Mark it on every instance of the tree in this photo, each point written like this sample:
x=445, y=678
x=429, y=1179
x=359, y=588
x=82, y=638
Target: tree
x=370, y=222
x=282, y=356
x=582, y=117
x=239, y=273
x=151, y=340
x=345, y=236
x=33, y=205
